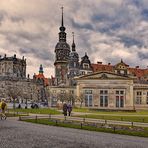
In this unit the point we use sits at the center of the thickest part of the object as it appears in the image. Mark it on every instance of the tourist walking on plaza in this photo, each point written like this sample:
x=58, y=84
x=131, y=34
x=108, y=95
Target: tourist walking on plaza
x=69, y=108
x=65, y=109
x=3, y=107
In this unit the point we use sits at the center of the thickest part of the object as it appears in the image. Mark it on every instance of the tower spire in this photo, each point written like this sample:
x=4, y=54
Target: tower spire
x=41, y=69
x=73, y=44
x=62, y=28
x=62, y=23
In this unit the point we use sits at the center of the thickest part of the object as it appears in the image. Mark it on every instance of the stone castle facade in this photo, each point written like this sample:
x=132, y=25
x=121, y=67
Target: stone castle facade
x=12, y=67
x=77, y=81
x=117, y=87
x=14, y=84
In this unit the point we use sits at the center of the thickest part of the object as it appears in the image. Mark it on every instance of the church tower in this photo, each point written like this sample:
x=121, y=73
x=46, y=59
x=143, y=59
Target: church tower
x=73, y=67
x=62, y=50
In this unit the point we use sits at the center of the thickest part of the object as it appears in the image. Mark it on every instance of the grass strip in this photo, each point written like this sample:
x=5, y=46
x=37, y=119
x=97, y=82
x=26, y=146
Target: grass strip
x=37, y=111
x=89, y=128
x=97, y=111
x=118, y=118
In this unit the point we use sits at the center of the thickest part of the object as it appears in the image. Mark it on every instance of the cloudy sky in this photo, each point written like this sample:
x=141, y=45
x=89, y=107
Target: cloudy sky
x=107, y=30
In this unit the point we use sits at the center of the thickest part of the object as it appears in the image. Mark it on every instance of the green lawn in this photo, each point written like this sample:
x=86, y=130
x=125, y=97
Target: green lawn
x=118, y=118
x=90, y=128
x=37, y=111
x=95, y=111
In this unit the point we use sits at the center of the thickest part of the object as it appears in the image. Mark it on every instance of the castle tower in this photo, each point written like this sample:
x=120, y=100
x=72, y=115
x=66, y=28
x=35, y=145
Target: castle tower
x=62, y=50
x=41, y=69
x=73, y=67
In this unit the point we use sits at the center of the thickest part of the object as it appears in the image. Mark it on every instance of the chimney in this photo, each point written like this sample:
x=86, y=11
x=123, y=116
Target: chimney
x=100, y=63
x=137, y=67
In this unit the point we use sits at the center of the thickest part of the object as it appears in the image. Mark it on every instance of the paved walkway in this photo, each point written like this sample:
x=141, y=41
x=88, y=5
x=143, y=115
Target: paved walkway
x=18, y=134
x=106, y=114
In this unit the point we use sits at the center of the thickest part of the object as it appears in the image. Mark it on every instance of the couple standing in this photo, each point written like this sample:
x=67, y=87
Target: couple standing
x=67, y=108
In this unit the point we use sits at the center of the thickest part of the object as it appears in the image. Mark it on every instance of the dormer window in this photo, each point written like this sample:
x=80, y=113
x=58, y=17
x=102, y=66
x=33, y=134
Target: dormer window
x=83, y=73
x=85, y=66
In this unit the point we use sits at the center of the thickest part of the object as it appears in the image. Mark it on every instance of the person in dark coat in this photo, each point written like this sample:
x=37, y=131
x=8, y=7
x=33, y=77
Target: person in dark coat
x=69, y=108
x=65, y=109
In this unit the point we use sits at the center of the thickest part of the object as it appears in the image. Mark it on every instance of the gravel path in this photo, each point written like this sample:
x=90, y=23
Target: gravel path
x=18, y=134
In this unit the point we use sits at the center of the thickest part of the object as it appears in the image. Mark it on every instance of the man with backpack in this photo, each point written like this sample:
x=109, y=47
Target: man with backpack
x=3, y=107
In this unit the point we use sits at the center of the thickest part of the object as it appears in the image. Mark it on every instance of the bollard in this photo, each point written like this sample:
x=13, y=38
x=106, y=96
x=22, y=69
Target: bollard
x=132, y=124
x=20, y=118
x=105, y=121
x=114, y=128
x=56, y=122
x=143, y=119
x=81, y=125
x=49, y=116
x=36, y=118
x=84, y=119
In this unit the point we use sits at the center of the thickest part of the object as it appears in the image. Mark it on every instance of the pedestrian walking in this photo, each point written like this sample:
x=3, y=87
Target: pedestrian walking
x=65, y=109
x=69, y=108
x=3, y=107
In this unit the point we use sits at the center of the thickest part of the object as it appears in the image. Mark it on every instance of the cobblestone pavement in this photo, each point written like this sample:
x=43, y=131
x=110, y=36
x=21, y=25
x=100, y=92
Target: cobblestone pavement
x=18, y=134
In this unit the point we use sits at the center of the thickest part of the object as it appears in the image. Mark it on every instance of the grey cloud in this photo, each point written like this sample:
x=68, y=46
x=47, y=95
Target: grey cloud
x=42, y=54
x=128, y=41
x=81, y=25
x=17, y=19
x=114, y=22
x=3, y=14
x=143, y=55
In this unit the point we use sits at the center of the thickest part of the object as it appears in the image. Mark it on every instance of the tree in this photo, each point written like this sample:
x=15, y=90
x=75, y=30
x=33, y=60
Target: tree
x=62, y=97
x=81, y=99
x=14, y=93
x=71, y=98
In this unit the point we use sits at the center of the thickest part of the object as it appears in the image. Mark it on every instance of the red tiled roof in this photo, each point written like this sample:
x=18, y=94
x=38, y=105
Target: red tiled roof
x=135, y=71
x=41, y=76
x=101, y=67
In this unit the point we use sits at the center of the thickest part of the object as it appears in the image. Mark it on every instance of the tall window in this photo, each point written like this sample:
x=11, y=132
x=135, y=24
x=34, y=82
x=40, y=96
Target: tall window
x=138, y=97
x=103, y=98
x=53, y=98
x=120, y=98
x=83, y=72
x=63, y=91
x=88, y=98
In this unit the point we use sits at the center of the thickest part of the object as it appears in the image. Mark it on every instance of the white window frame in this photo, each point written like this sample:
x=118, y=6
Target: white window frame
x=104, y=96
x=121, y=97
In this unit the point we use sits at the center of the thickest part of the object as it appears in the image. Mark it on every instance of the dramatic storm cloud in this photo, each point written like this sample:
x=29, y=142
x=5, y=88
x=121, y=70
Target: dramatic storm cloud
x=107, y=30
